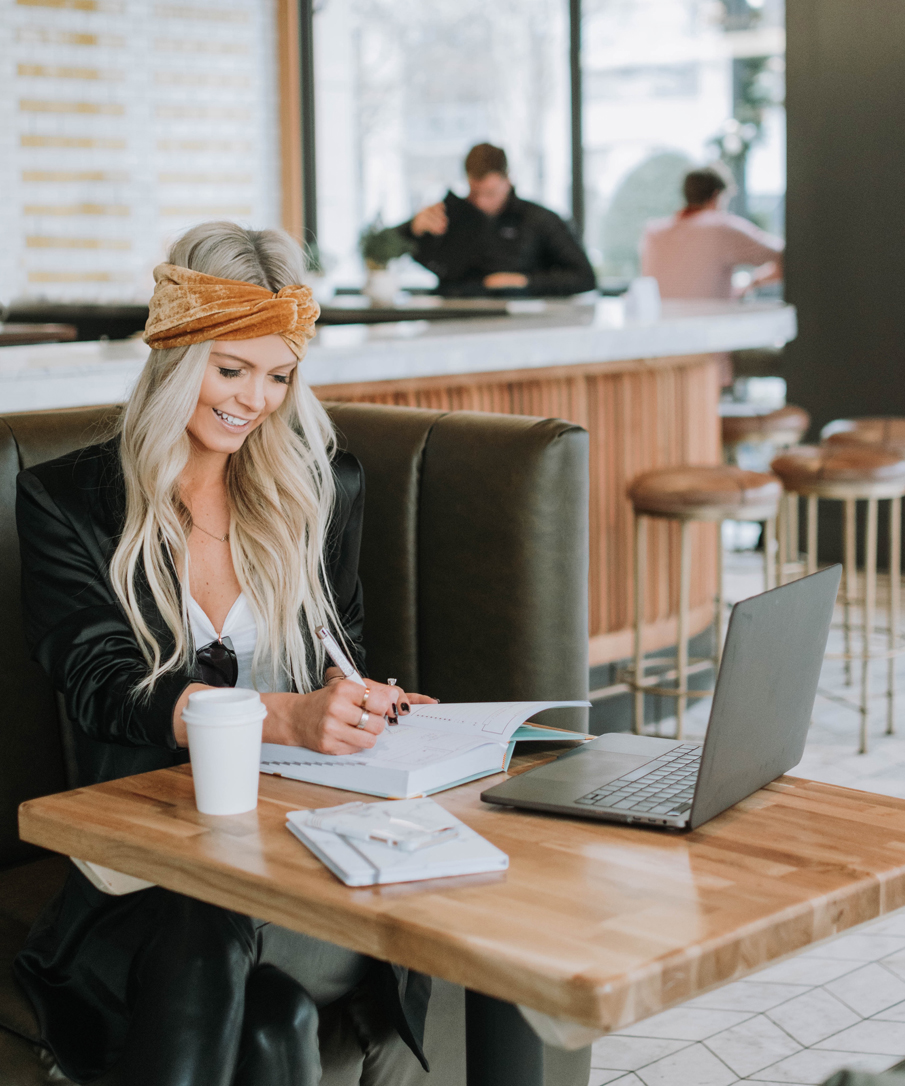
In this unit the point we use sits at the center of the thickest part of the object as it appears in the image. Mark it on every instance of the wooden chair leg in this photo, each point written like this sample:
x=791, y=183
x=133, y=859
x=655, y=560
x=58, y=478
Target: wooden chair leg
x=812, y=534
x=638, y=673
x=792, y=500
x=850, y=563
x=684, y=593
x=870, y=598
x=770, y=565
x=720, y=598
x=782, y=539
x=895, y=584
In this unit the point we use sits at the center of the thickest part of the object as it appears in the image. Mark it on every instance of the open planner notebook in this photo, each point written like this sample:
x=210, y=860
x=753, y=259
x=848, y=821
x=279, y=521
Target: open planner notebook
x=438, y=747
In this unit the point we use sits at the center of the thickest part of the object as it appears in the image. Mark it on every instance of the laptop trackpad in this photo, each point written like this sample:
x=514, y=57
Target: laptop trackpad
x=591, y=766
x=563, y=781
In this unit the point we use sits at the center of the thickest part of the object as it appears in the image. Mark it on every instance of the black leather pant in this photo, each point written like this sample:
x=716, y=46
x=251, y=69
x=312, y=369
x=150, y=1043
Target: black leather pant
x=204, y=1013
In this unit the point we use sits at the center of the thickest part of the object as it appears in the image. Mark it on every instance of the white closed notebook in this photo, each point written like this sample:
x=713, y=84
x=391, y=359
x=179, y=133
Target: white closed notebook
x=365, y=863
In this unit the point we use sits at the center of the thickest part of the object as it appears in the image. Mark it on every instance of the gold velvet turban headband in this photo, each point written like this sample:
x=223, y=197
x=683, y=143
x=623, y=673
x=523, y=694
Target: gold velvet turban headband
x=190, y=307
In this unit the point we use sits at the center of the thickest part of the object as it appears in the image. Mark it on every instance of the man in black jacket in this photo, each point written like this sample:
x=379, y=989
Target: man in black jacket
x=493, y=242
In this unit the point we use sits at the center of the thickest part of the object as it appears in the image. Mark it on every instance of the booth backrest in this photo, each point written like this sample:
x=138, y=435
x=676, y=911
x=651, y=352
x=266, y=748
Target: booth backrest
x=474, y=565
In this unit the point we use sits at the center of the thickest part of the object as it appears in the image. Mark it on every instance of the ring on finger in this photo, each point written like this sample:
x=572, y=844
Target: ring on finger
x=365, y=717
x=365, y=696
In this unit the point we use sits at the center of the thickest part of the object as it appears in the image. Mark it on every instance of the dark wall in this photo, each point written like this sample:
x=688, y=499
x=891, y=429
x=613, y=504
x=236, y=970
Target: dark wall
x=846, y=206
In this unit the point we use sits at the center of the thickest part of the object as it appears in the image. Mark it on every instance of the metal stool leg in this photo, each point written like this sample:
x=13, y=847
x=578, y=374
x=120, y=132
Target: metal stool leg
x=895, y=579
x=640, y=567
x=720, y=598
x=782, y=533
x=792, y=499
x=684, y=592
x=870, y=598
x=812, y=534
x=769, y=544
x=850, y=559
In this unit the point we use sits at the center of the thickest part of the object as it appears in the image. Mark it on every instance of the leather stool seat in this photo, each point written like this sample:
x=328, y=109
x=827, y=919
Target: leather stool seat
x=878, y=430
x=841, y=470
x=706, y=493
x=785, y=426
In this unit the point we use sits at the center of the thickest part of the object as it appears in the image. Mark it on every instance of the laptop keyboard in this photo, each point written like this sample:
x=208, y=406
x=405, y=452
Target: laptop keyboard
x=663, y=786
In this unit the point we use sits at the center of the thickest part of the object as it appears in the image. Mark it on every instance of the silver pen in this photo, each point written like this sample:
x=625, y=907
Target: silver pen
x=343, y=662
x=338, y=657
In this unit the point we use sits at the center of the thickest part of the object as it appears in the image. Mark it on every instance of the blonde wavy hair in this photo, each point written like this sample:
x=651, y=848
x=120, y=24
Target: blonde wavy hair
x=280, y=486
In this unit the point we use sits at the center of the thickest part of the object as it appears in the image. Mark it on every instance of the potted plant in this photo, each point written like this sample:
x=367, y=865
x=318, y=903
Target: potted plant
x=379, y=246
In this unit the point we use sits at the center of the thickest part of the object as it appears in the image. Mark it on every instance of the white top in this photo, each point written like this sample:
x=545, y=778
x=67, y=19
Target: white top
x=693, y=256
x=240, y=627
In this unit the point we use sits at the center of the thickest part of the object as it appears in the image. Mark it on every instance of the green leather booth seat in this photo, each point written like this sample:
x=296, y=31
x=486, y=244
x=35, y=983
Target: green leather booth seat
x=474, y=565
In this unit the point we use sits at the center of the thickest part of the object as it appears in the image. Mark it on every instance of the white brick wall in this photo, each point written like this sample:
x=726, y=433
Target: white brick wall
x=122, y=122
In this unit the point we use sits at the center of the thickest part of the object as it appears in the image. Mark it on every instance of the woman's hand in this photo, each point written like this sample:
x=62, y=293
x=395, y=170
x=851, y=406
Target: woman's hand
x=340, y=718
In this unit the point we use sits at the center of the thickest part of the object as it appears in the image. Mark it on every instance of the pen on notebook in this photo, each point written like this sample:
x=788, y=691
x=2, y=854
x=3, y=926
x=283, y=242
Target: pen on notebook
x=338, y=657
x=342, y=661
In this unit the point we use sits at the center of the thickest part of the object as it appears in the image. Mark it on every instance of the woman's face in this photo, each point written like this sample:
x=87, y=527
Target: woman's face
x=245, y=381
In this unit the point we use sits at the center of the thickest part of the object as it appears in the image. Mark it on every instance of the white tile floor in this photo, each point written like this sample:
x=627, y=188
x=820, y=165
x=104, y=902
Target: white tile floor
x=839, y=1004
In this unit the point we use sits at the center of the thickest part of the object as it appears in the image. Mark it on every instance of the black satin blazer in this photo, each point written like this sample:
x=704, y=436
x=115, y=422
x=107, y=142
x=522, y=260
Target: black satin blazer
x=70, y=513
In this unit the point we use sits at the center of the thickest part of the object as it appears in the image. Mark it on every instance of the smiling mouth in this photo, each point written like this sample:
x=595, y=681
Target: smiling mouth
x=232, y=422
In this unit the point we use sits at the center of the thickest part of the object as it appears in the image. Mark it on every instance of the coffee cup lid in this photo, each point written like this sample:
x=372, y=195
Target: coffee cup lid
x=227, y=705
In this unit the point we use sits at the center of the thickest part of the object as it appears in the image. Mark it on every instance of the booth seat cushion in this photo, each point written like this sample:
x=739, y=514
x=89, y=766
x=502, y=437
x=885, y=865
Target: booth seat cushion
x=16, y=1014
x=23, y=892
x=23, y=1063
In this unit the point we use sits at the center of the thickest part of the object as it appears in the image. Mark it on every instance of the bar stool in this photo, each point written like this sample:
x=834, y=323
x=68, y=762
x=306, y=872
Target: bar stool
x=887, y=431
x=777, y=430
x=852, y=473
x=688, y=494
x=751, y=441
x=876, y=430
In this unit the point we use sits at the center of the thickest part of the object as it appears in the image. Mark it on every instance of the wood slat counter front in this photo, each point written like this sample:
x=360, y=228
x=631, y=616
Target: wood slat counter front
x=600, y=924
x=641, y=414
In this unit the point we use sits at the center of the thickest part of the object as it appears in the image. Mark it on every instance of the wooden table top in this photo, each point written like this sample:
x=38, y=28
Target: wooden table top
x=601, y=924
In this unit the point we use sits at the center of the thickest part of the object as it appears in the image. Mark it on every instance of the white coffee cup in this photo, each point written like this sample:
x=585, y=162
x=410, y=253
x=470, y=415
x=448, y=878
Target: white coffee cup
x=642, y=300
x=224, y=728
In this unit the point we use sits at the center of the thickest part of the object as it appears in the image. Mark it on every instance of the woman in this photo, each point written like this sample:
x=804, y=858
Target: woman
x=203, y=545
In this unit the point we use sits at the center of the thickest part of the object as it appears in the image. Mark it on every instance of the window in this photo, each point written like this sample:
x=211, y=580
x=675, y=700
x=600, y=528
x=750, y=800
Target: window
x=669, y=84
x=125, y=124
x=405, y=87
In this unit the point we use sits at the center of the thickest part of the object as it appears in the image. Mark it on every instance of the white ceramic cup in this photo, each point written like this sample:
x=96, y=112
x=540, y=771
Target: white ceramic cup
x=224, y=728
x=642, y=300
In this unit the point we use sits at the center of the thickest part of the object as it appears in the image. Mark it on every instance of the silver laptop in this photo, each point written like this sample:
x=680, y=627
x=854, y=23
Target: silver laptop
x=758, y=725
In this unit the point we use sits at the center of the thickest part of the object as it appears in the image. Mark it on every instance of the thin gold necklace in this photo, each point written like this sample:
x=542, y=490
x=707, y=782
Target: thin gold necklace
x=219, y=538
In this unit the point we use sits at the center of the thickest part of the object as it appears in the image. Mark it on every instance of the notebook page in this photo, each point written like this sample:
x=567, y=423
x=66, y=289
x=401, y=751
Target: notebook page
x=402, y=747
x=457, y=728
x=492, y=721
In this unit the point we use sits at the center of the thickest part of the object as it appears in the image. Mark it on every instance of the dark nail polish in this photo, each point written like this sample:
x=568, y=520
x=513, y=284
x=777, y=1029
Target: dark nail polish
x=392, y=720
x=404, y=706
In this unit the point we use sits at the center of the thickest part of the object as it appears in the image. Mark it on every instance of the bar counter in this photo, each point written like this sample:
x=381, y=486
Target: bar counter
x=646, y=392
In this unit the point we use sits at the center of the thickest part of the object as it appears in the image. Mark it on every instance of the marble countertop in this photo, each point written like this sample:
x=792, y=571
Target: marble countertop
x=533, y=335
